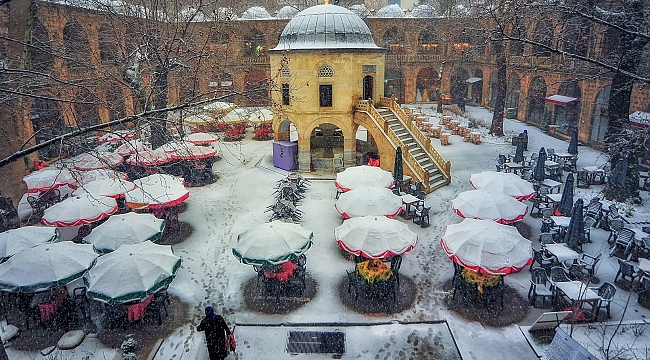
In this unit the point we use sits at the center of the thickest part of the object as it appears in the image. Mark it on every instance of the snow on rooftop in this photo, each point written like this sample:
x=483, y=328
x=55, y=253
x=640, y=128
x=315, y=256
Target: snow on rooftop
x=225, y=14
x=361, y=10
x=391, y=11
x=423, y=11
x=287, y=12
x=255, y=13
x=326, y=27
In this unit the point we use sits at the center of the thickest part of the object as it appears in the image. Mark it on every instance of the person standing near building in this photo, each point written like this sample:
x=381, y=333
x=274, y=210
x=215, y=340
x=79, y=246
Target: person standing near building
x=216, y=333
x=525, y=139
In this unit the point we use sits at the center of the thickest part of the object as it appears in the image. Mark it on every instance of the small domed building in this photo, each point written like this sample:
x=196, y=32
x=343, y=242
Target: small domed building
x=326, y=60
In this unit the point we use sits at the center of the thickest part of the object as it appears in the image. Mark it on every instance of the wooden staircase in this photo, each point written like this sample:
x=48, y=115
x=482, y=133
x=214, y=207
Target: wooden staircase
x=418, y=153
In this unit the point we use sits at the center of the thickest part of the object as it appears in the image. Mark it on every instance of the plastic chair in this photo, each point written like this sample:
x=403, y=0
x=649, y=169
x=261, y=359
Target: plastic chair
x=624, y=242
x=395, y=265
x=543, y=261
x=539, y=287
x=550, y=153
x=625, y=270
x=546, y=239
x=582, y=179
x=354, y=283
x=589, y=222
x=422, y=217
x=540, y=201
x=606, y=291
x=589, y=262
x=615, y=225
x=558, y=274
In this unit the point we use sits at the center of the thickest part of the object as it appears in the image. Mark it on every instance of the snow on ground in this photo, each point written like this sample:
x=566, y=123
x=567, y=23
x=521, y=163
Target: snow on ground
x=218, y=212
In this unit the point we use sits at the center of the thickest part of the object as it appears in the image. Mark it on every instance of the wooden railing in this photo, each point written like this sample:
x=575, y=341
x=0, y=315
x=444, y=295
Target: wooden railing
x=409, y=161
x=425, y=143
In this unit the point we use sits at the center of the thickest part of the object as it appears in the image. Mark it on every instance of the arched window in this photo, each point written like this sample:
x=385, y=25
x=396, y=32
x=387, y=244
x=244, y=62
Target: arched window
x=42, y=57
x=428, y=42
x=325, y=71
x=75, y=45
x=284, y=71
x=394, y=40
x=254, y=45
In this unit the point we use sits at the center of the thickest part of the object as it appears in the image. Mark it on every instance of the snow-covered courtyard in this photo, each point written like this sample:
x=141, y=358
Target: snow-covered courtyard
x=211, y=275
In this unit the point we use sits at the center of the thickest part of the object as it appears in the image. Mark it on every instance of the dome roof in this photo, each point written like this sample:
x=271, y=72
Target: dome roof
x=255, y=13
x=326, y=27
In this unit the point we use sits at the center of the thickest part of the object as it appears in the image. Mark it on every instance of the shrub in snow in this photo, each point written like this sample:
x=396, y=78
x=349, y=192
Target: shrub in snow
x=286, y=12
x=423, y=11
x=255, y=13
x=128, y=346
x=130, y=356
x=360, y=10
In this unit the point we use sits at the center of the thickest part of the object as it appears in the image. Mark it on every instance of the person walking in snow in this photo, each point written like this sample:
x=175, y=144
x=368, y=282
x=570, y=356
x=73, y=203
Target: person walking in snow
x=216, y=333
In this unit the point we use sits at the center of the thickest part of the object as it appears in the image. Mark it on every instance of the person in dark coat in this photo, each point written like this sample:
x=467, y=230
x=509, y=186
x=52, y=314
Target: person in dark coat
x=216, y=331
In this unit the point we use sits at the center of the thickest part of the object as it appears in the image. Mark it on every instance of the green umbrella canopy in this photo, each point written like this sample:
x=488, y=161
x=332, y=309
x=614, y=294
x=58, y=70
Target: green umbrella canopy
x=131, y=273
x=272, y=243
x=26, y=237
x=129, y=228
x=46, y=266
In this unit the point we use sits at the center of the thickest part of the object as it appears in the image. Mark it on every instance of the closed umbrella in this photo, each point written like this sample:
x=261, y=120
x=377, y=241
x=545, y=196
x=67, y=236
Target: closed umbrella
x=363, y=176
x=111, y=187
x=79, y=210
x=369, y=201
x=519, y=152
x=132, y=273
x=16, y=240
x=504, y=183
x=619, y=174
x=157, y=191
x=129, y=228
x=46, y=266
x=573, y=143
x=489, y=205
x=486, y=247
x=48, y=178
x=566, y=202
x=575, y=234
x=375, y=237
x=272, y=243
x=538, y=171
x=398, y=170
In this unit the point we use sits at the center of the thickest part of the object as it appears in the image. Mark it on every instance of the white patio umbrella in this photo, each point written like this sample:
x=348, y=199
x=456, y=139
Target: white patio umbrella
x=117, y=135
x=149, y=158
x=201, y=138
x=489, y=205
x=48, y=178
x=505, y=183
x=129, y=228
x=238, y=115
x=199, y=119
x=79, y=210
x=260, y=115
x=192, y=151
x=111, y=187
x=219, y=107
x=131, y=273
x=375, y=237
x=363, y=176
x=16, y=240
x=97, y=160
x=131, y=147
x=487, y=247
x=46, y=266
x=272, y=243
x=173, y=146
x=157, y=191
x=85, y=177
x=365, y=201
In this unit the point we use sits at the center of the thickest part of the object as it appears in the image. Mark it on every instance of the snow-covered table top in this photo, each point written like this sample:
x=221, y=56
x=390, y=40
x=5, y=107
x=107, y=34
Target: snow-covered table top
x=562, y=252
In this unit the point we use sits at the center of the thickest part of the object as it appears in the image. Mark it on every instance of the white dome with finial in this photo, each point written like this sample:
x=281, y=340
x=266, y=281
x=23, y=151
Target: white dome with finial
x=326, y=27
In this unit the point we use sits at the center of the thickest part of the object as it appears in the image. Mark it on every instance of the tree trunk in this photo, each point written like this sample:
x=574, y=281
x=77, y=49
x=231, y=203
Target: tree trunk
x=158, y=125
x=619, y=136
x=13, y=133
x=496, y=128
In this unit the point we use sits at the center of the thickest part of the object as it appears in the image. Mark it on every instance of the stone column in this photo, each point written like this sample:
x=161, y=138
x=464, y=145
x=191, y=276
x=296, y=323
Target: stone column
x=349, y=151
x=304, y=155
